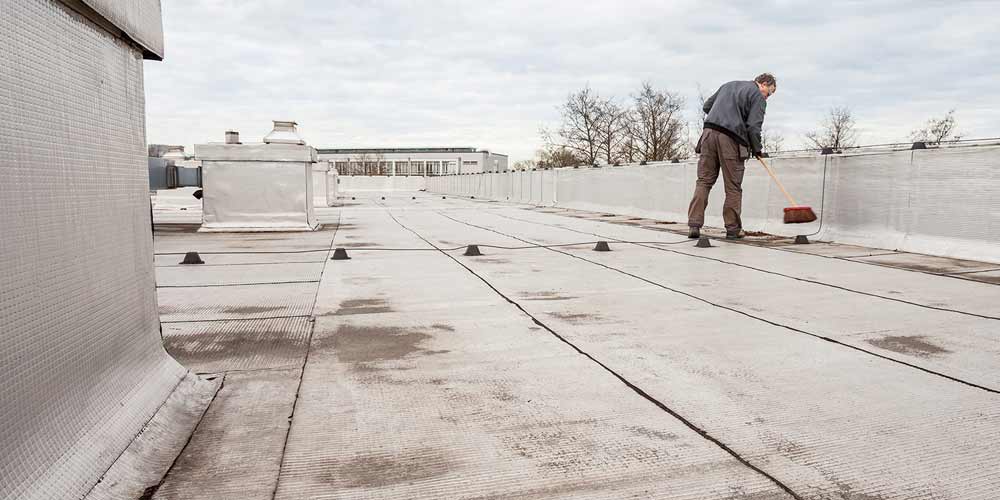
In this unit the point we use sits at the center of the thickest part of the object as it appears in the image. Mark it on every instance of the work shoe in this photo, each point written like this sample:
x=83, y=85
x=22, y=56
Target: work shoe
x=735, y=235
x=694, y=233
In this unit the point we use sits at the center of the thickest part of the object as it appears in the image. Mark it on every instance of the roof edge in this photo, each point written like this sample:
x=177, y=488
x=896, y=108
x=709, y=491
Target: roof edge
x=398, y=150
x=139, y=22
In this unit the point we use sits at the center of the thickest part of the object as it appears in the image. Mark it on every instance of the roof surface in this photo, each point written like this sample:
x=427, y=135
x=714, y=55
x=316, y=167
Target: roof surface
x=544, y=369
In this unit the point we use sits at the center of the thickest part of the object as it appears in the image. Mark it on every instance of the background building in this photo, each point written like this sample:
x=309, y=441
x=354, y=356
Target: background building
x=413, y=161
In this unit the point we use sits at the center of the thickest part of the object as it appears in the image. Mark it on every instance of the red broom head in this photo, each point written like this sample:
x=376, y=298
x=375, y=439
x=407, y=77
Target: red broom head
x=799, y=215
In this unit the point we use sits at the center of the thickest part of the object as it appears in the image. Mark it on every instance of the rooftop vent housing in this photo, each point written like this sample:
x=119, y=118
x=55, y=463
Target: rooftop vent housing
x=284, y=132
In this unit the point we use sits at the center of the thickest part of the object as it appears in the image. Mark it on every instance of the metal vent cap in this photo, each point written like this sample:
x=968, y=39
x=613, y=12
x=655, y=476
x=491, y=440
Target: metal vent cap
x=284, y=132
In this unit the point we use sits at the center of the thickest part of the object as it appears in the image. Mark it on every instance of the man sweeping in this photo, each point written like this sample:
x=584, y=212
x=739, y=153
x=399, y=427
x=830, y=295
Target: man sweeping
x=731, y=135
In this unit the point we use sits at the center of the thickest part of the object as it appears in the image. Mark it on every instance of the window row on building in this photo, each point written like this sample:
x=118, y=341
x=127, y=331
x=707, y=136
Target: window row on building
x=408, y=167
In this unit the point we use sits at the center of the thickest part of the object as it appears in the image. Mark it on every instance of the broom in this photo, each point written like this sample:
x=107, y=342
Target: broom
x=794, y=214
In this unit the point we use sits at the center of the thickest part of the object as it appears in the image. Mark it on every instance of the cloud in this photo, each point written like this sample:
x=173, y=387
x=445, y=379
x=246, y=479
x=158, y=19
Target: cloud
x=488, y=74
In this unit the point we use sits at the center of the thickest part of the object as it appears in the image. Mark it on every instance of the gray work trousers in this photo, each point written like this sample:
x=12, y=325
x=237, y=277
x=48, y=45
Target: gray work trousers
x=719, y=152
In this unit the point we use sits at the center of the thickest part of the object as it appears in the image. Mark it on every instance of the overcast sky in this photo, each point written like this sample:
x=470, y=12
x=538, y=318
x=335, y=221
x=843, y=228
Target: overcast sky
x=488, y=74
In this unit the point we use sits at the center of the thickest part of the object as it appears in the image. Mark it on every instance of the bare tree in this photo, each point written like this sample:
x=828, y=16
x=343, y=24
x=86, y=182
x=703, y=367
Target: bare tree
x=611, y=130
x=523, y=165
x=771, y=141
x=656, y=124
x=555, y=157
x=579, y=131
x=836, y=131
x=368, y=163
x=628, y=148
x=937, y=130
x=702, y=99
x=358, y=162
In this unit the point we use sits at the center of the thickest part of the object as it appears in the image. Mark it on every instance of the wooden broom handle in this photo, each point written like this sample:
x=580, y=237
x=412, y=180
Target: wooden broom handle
x=771, y=173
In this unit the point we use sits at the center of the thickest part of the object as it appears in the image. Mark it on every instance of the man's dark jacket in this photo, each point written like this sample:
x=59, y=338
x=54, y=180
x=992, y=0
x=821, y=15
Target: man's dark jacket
x=737, y=110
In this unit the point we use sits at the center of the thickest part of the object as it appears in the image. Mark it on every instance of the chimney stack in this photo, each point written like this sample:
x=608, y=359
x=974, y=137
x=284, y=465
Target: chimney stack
x=232, y=137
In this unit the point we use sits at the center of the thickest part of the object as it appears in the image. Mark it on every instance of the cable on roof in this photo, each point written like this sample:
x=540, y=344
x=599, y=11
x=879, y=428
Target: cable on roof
x=775, y=273
x=645, y=395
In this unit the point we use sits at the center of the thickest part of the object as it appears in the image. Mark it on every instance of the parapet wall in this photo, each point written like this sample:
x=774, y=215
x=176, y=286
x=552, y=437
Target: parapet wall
x=362, y=183
x=942, y=201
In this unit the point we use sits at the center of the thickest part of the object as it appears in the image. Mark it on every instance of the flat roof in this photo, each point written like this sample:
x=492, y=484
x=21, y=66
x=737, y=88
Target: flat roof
x=752, y=369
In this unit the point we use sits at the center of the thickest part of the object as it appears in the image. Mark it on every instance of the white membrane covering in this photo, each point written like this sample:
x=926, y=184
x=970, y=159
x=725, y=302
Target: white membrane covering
x=139, y=19
x=356, y=183
x=257, y=187
x=324, y=184
x=81, y=359
x=935, y=201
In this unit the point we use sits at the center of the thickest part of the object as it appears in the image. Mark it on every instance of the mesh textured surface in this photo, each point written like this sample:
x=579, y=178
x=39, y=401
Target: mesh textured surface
x=80, y=351
x=139, y=19
x=217, y=346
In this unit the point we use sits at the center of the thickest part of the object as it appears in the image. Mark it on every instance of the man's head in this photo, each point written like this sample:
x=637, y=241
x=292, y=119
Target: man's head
x=767, y=84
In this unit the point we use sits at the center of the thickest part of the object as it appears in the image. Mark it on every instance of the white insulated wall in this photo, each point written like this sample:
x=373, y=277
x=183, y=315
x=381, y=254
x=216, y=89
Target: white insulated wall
x=319, y=186
x=81, y=361
x=358, y=183
x=258, y=194
x=936, y=201
x=324, y=184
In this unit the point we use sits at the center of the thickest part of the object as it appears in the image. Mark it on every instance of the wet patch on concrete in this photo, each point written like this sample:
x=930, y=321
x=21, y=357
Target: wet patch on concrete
x=443, y=327
x=545, y=296
x=376, y=470
x=502, y=394
x=374, y=376
x=220, y=352
x=362, y=306
x=366, y=346
x=587, y=453
x=576, y=318
x=493, y=260
x=914, y=345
